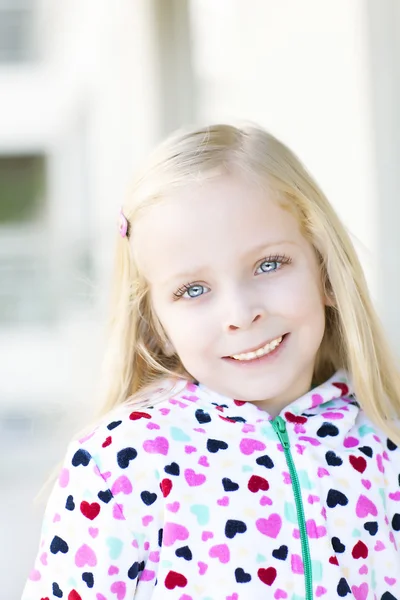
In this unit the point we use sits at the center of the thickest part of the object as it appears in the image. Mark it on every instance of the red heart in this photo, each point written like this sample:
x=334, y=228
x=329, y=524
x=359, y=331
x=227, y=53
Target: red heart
x=267, y=576
x=135, y=415
x=47, y=598
x=358, y=462
x=342, y=387
x=107, y=442
x=227, y=419
x=333, y=560
x=166, y=487
x=74, y=596
x=360, y=550
x=90, y=511
x=174, y=579
x=295, y=419
x=239, y=402
x=257, y=483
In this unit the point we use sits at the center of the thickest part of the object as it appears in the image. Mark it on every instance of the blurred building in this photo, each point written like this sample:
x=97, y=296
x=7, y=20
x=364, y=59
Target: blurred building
x=87, y=87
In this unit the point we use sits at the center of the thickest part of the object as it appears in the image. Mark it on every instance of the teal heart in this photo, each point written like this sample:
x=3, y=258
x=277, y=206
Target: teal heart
x=156, y=474
x=297, y=597
x=316, y=570
x=383, y=496
x=179, y=435
x=247, y=468
x=290, y=513
x=72, y=582
x=304, y=480
x=261, y=558
x=373, y=578
x=364, y=429
x=268, y=432
x=202, y=513
x=356, y=533
x=166, y=563
x=115, y=547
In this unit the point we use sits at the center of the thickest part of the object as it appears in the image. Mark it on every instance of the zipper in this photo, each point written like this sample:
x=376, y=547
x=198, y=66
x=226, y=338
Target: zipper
x=279, y=425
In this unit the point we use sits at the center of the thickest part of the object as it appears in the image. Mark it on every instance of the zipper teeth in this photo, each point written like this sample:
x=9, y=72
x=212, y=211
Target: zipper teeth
x=305, y=549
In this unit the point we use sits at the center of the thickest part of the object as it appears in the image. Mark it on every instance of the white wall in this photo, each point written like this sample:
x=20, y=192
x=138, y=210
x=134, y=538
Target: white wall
x=300, y=69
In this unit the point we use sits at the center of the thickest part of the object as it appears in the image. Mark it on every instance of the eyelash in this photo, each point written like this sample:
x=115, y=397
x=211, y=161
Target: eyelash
x=281, y=259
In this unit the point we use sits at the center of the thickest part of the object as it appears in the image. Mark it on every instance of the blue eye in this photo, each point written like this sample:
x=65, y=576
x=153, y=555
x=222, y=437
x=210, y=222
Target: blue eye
x=273, y=263
x=191, y=290
x=268, y=265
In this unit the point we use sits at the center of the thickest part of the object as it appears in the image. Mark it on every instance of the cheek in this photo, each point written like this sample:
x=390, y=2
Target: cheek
x=298, y=297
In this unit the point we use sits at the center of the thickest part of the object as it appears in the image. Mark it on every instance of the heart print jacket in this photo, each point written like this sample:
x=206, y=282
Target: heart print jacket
x=202, y=497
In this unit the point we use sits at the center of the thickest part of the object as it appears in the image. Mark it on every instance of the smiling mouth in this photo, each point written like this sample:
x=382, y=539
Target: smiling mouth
x=259, y=352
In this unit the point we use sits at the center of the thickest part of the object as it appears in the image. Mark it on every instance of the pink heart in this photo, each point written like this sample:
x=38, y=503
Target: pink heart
x=85, y=556
x=379, y=546
x=312, y=499
x=322, y=472
x=118, y=512
x=93, y=531
x=147, y=519
x=300, y=448
x=350, y=442
x=202, y=567
x=223, y=501
x=248, y=446
x=320, y=591
x=363, y=570
x=119, y=588
x=360, y=592
x=280, y=594
x=173, y=532
x=173, y=507
x=34, y=575
x=220, y=551
x=390, y=580
x=56, y=518
x=158, y=446
x=366, y=483
x=206, y=535
x=297, y=564
x=106, y=475
x=264, y=500
x=164, y=411
x=152, y=425
x=122, y=484
x=63, y=478
x=395, y=496
x=43, y=558
x=193, y=478
x=365, y=507
x=271, y=526
x=113, y=570
x=203, y=461
x=286, y=478
x=296, y=534
x=247, y=428
x=147, y=575
x=154, y=556
x=315, y=531
x=199, y=429
x=190, y=449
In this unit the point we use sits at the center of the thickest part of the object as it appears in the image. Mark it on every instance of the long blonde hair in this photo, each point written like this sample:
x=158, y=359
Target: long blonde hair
x=136, y=360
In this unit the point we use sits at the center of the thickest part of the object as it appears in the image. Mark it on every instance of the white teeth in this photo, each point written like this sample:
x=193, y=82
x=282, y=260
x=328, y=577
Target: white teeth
x=260, y=352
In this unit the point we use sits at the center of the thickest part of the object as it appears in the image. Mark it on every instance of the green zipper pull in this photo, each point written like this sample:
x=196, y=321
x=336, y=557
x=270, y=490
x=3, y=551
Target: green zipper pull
x=279, y=425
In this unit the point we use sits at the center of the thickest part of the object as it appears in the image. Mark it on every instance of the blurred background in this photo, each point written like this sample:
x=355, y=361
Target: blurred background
x=87, y=88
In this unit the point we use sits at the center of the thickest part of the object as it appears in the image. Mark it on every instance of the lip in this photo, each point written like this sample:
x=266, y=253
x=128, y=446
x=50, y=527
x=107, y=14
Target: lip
x=255, y=348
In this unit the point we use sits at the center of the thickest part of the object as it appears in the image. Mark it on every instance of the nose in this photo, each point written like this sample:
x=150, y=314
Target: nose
x=241, y=314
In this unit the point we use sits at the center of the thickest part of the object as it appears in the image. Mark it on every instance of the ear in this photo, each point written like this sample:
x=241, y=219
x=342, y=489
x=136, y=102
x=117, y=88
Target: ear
x=329, y=298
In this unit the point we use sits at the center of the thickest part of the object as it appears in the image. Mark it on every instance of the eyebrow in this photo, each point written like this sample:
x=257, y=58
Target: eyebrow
x=187, y=275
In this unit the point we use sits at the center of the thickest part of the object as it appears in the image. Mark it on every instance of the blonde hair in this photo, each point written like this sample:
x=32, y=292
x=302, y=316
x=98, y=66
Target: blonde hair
x=137, y=361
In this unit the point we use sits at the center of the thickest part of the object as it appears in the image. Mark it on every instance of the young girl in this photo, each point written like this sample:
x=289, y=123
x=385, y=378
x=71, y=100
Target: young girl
x=248, y=448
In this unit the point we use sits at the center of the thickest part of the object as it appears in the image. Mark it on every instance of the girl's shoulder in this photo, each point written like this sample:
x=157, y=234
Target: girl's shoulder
x=127, y=426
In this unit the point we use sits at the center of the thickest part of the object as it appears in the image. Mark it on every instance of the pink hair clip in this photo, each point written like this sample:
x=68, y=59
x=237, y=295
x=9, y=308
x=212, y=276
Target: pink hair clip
x=123, y=224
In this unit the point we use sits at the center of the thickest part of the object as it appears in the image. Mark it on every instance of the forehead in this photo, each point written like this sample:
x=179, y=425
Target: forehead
x=218, y=220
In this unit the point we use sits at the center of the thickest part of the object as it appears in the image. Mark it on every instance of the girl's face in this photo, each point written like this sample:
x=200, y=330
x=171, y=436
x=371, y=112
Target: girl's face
x=231, y=274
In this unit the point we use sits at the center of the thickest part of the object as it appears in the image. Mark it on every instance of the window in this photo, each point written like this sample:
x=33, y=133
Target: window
x=16, y=31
